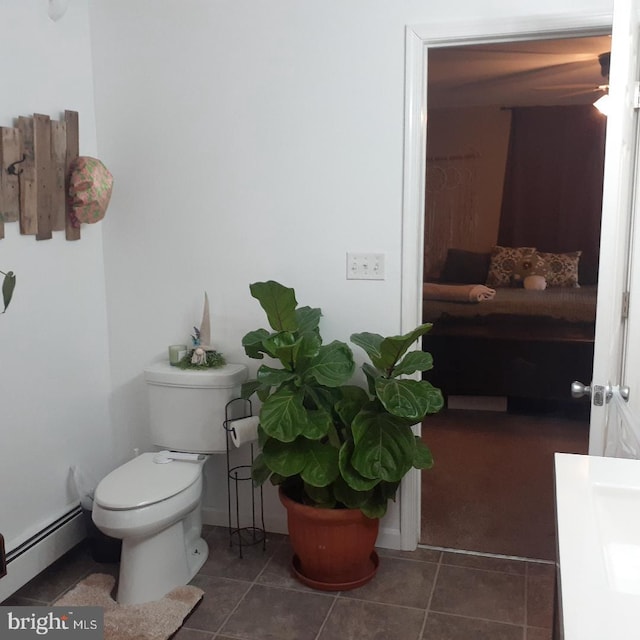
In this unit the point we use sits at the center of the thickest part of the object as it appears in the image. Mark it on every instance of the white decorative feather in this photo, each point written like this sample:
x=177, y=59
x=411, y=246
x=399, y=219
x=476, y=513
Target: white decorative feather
x=205, y=326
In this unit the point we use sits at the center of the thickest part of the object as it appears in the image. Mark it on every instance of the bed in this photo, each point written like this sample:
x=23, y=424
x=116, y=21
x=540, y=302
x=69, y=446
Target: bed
x=513, y=342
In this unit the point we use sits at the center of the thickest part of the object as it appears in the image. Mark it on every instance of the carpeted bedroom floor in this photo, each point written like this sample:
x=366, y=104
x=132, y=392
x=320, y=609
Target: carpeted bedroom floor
x=491, y=489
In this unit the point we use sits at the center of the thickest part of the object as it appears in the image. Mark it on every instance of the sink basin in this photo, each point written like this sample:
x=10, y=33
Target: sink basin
x=617, y=511
x=598, y=533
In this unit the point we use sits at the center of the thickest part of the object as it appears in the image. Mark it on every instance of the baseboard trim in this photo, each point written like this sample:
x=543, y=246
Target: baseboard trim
x=40, y=550
x=478, y=403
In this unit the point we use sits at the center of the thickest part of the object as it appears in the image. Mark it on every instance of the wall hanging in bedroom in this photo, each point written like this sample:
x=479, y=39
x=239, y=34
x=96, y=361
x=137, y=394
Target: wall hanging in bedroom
x=45, y=184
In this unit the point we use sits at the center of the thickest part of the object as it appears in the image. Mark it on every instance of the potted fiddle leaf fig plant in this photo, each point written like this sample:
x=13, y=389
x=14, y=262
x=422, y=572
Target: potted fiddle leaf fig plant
x=336, y=450
x=8, y=285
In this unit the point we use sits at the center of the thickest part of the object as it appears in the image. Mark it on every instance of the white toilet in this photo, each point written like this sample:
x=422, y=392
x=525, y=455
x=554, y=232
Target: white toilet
x=153, y=501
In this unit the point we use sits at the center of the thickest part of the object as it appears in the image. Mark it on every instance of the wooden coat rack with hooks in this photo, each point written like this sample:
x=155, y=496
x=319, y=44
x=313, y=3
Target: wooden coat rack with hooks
x=35, y=160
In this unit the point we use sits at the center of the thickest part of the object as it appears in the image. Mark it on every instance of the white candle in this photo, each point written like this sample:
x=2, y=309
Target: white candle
x=177, y=352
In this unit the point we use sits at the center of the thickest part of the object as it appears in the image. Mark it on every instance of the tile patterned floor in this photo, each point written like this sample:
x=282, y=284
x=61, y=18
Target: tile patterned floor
x=427, y=594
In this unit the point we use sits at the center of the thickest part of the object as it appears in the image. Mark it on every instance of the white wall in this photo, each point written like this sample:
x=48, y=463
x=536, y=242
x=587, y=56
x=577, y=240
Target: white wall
x=54, y=376
x=252, y=140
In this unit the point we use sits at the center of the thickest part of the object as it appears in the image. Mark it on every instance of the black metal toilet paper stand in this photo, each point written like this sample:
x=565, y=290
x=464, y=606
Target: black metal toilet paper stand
x=238, y=475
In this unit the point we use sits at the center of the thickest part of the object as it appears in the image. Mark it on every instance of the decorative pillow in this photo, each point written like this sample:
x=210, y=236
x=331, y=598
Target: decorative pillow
x=533, y=265
x=562, y=268
x=503, y=263
x=465, y=267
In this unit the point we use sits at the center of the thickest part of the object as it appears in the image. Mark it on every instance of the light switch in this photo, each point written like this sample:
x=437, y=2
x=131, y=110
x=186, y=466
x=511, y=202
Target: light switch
x=365, y=266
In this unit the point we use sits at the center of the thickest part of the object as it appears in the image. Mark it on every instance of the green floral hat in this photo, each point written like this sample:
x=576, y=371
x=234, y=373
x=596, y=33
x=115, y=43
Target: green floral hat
x=90, y=186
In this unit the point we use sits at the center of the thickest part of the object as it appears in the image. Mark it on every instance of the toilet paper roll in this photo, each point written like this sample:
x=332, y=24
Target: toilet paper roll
x=244, y=430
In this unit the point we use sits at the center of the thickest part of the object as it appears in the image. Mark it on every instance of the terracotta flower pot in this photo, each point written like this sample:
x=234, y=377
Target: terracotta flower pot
x=333, y=548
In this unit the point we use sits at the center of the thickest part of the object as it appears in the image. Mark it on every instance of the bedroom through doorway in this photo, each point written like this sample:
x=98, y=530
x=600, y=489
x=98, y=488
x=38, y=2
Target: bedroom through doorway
x=515, y=157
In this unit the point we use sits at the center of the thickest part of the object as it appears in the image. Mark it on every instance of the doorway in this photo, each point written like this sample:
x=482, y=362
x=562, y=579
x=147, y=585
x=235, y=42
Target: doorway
x=515, y=157
x=419, y=40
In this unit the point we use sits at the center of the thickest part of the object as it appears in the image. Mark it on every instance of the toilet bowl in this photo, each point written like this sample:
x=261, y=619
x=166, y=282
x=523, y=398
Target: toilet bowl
x=152, y=503
x=154, y=508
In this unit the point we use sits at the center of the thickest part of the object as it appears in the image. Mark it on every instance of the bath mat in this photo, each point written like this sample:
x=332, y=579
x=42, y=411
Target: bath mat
x=157, y=620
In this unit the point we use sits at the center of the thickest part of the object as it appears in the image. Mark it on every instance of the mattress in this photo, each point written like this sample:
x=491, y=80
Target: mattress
x=566, y=304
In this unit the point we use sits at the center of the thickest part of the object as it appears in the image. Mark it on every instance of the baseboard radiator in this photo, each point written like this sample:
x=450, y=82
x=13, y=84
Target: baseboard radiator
x=27, y=559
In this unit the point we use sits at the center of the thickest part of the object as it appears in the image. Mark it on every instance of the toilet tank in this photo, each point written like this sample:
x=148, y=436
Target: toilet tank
x=187, y=406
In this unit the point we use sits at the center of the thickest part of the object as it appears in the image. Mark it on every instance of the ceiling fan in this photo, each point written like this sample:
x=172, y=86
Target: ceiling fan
x=527, y=73
x=584, y=88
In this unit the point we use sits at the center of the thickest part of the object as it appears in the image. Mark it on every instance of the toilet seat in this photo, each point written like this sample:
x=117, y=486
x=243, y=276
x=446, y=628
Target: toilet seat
x=142, y=482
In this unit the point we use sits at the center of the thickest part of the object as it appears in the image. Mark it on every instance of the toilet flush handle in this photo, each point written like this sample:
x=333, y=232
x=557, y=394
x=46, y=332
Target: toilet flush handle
x=162, y=457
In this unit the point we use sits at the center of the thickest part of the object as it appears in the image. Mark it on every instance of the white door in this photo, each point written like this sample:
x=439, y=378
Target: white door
x=615, y=396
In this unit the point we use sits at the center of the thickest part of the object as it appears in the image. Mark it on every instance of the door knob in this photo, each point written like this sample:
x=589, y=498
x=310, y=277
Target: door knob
x=579, y=390
x=601, y=394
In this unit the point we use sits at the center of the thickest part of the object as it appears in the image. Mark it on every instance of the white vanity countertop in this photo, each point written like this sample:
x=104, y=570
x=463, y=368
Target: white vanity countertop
x=598, y=517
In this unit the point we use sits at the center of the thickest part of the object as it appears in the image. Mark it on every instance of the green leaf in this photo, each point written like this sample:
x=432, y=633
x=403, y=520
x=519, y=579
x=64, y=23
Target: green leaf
x=321, y=496
x=320, y=464
x=350, y=498
x=8, y=285
x=282, y=415
x=353, y=478
x=285, y=458
x=394, y=347
x=387, y=490
x=308, y=319
x=376, y=505
x=317, y=424
x=409, y=399
x=274, y=377
x=284, y=346
x=423, y=458
x=322, y=397
x=263, y=393
x=253, y=343
x=249, y=388
x=372, y=374
x=384, y=446
x=260, y=472
x=374, y=509
x=277, y=479
x=334, y=437
x=412, y=362
x=333, y=365
x=371, y=343
x=278, y=302
x=352, y=401
x=307, y=349
x=436, y=401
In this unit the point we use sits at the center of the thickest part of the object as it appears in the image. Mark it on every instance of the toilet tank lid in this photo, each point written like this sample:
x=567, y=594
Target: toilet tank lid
x=142, y=482
x=226, y=377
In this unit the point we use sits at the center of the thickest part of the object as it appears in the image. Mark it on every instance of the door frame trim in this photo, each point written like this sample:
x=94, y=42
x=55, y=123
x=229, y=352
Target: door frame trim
x=418, y=40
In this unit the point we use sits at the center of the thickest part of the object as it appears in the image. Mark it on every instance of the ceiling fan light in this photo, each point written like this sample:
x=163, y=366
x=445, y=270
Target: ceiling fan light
x=602, y=104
